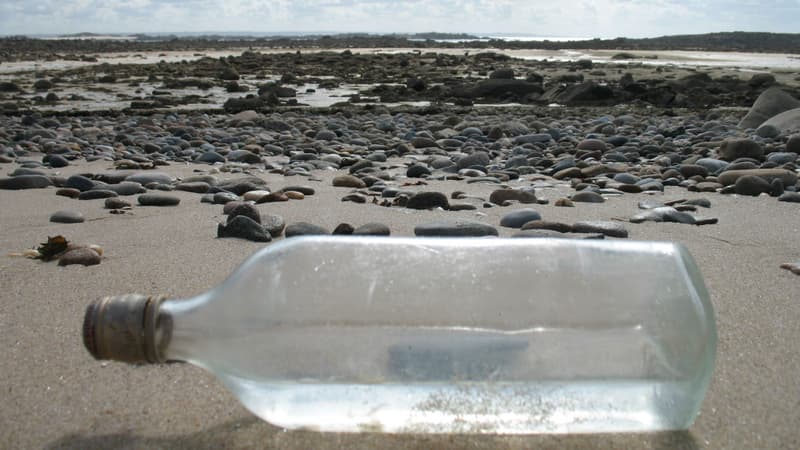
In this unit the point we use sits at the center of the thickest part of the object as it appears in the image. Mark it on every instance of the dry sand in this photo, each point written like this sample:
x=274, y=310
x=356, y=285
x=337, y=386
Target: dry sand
x=54, y=395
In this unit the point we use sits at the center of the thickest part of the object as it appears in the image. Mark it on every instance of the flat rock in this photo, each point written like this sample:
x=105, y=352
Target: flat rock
x=304, y=229
x=94, y=194
x=349, y=181
x=158, y=200
x=198, y=187
x=548, y=234
x=25, y=182
x=68, y=192
x=501, y=196
x=608, y=228
x=244, y=209
x=587, y=197
x=547, y=225
x=145, y=178
x=67, y=216
x=455, y=228
x=116, y=203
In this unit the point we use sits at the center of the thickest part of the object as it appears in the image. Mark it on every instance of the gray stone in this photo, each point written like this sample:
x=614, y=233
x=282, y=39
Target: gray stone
x=273, y=224
x=455, y=228
x=66, y=216
x=417, y=171
x=94, y=194
x=221, y=198
x=732, y=149
x=587, y=197
x=68, y=192
x=304, y=229
x=79, y=182
x=547, y=234
x=116, y=203
x=84, y=256
x=244, y=209
x=355, y=198
x=124, y=188
x=729, y=177
x=198, y=187
x=793, y=144
x=479, y=158
x=144, y=178
x=547, y=225
x=790, y=196
x=518, y=218
x=158, y=200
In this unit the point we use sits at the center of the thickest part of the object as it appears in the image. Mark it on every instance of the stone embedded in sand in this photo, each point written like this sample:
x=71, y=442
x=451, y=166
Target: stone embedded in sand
x=608, y=228
x=158, y=200
x=25, y=182
x=428, y=200
x=304, y=229
x=455, y=228
x=67, y=216
x=518, y=218
x=243, y=227
x=372, y=229
x=500, y=196
x=587, y=197
x=349, y=181
x=732, y=149
x=80, y=255
x=729, y=177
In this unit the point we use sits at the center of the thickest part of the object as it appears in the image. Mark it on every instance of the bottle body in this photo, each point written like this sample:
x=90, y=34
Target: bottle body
x=456, y=335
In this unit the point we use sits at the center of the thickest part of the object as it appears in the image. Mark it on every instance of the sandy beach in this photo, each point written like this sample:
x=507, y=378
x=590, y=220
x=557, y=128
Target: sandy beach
x=56, y=396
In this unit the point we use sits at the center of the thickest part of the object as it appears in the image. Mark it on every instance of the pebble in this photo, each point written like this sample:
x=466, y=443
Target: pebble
x=25, y=182
x=355, y=198
x=96, y=193
x=84, y=256
x=587, y=197
x=221, y=198
x=428, y=200
x=790, y=196
x=198, y=187
x=273, y=197
x=607, y=228
x=500, y=196
x=547, y=225
x=343, y=229
x=67, y=216
x=158, y=200
x=729, y=177
x=516, y=219
x=68, y=192
x=243, y=227
x=349, y=181
x=305, y=190
x=372, y=229
x=544, y=234
x=273, y=224
x=79, y=182
x=144, y=178
x=123, y=188
x=564, y=202
x=294, y=195
x=751, y=185
x=740, y=148
x=304, y=229
x=116, y=203
x=792, y=267
x=244, y=209
x=455, y=228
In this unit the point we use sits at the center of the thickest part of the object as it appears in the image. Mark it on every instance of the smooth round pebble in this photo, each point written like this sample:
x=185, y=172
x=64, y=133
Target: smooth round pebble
x=67, y=216
x=518, y=218
x=158, y=200
x=304, y=229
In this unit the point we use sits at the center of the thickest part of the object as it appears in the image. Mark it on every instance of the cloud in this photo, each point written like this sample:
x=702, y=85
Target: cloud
x=595, y=18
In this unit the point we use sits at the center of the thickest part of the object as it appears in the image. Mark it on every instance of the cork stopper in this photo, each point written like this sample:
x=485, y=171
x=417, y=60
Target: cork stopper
x=124, y=328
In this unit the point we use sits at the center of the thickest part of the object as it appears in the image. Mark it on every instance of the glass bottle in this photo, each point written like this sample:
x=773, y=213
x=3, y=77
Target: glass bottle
x=438, y=335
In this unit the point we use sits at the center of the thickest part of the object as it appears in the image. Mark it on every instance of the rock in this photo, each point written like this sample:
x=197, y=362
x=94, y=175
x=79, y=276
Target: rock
x=455, y=228
x=792, y=267
x=158, y=200
x=273, y=224
x=751, y=185
x=305, y=190
x=587, y=197
x=781, y=158
x=793, y=144
x=563, y=202
x=428, y=200
x=145, y=178
x=343, y=229
x=768, y=131
x=198, y=187
x=417, y=171
x=273, y=197
x=243, y=227
x=786, y=122
x=80, y=255
x=79, y=182
x=729, y=177
x=502, y=74
x=66, y=216
x=349, y=181
x=25, y=182
x=68, y=192
x=96, y=194
x=690, y=170
x=116, y=203
x=500, y=196
x=547, y=225
x=770, y=103
x=545, y=234
x=740, y=148
x=372, y=229
x=790, y=196
x=592, y=145
x=304, y=229
x=607, y=228
x=294, y=195
x=221, y=198
x=516, y=219
x=245, y=209
x=124, y=188
x=325, y=135
x=355, y=198
x=57, y=161
x=479, y=158
x=533, y=138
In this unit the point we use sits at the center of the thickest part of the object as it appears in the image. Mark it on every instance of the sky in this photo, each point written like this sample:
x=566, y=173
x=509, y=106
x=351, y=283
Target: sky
x=559, y=18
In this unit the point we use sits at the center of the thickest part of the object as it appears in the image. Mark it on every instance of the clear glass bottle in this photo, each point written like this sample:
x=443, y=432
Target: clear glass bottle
x=440, y=334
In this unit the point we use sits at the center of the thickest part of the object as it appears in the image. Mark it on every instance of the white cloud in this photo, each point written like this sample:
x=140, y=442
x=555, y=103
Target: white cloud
x=596, y=18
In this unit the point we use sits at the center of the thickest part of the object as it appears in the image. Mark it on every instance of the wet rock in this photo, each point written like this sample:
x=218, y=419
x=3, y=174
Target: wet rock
x=158, y=200
x=67, y=216
x=516, y=219
x=243, y=227
x=455, y=228
x=428, y=200
x=304, y=229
